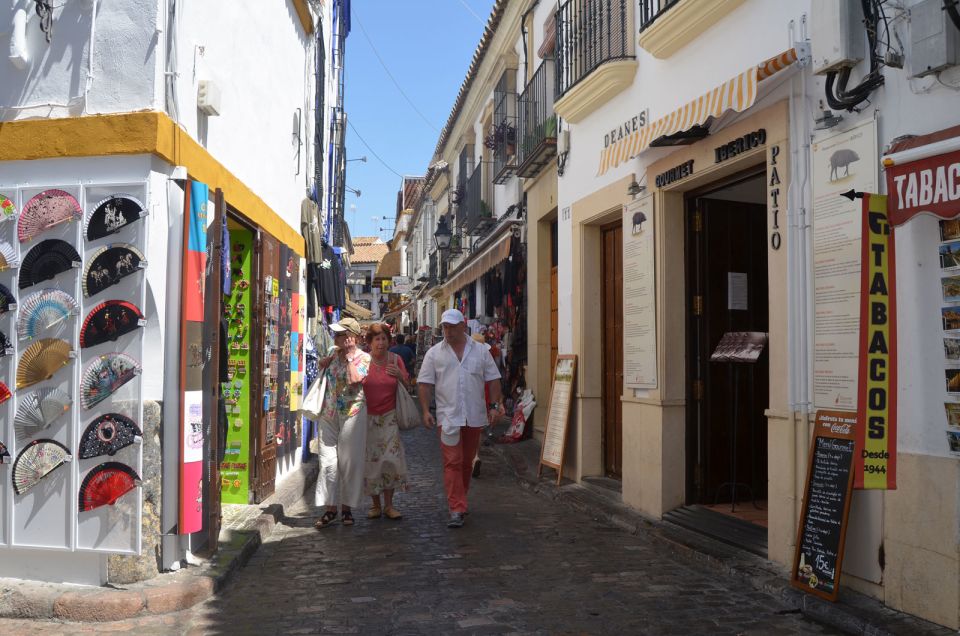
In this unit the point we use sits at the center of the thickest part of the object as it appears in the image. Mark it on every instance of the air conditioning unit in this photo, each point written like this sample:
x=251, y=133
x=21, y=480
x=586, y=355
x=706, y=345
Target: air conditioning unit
x=208, y=98
x=935, y=43
x=838, y=35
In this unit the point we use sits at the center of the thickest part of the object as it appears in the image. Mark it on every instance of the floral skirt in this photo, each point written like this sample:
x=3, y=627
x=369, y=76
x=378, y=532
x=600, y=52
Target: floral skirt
x=386, y=468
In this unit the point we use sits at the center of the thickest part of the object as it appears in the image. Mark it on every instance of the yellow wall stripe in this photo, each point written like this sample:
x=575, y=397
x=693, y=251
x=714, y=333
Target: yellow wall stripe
x=133, y=134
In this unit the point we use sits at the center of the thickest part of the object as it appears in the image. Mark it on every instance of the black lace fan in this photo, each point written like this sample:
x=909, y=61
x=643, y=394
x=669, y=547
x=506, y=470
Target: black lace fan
x=107, y=434
x=7, y=300
x=113, y=214
x=108, y=321
x=46, y=260
x=108, y=265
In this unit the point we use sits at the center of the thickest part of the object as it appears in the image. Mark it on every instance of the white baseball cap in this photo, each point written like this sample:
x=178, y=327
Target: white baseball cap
x=452, y=317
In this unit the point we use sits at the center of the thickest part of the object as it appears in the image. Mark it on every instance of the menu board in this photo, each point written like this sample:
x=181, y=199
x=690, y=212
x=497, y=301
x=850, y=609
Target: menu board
x=639, y=296
x=558, y=415
x=826, y=506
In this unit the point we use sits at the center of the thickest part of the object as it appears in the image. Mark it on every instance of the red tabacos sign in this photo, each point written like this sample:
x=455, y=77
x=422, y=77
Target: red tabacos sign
x=929, y=185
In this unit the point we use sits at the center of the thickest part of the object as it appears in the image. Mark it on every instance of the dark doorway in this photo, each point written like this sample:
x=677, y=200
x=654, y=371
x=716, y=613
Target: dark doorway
x=727, y=291
x=611, y=326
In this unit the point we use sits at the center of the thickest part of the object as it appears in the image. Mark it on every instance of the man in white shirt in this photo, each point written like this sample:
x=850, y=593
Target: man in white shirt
x=458, y=369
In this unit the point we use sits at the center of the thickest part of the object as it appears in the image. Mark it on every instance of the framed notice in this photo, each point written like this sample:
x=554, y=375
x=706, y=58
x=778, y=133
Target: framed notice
x=639, y=296
x=558, y=415
x=818, y=559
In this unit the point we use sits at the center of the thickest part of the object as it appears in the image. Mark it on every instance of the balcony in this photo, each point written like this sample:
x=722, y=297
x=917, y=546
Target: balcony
x=666, y=26
x=503, y=137
x=479, y=215
x=594, y=55
x=537, y=121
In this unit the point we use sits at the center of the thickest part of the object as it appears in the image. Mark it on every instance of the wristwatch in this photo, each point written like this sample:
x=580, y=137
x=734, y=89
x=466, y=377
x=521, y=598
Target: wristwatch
x=493, y=406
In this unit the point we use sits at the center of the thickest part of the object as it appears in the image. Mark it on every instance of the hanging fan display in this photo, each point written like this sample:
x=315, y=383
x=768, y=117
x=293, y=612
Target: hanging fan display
x=4, y=393
x=5, y=345
x=44, y=211
x=107, y=434
x=4, y=454
x=45, y=312
x=7, y=300
x=45, y=260
x=38, y=410
x=108, y=321
x=37, y=460
x=110, y=264
x=104, y=376
x=41, y=360
x=113, y=214
x=105, y=484
x=8, y=210
x=8, y=256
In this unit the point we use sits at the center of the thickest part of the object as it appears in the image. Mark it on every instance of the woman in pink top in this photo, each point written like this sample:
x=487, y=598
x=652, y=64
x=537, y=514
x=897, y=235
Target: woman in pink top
x=386, y=468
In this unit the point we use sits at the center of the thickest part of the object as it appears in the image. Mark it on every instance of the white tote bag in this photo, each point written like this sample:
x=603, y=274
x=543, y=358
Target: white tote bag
x=408, y=414
x=313, y=402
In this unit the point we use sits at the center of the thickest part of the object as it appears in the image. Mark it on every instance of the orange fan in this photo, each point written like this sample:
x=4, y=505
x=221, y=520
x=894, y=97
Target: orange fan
x=105, y=484
x=41, y=360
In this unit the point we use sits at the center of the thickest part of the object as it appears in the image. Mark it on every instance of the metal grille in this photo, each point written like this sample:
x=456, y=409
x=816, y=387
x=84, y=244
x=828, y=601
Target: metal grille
x=650, y=10
x=505, y=127
x=473, y=202
x=589, y=33
x=537, y=122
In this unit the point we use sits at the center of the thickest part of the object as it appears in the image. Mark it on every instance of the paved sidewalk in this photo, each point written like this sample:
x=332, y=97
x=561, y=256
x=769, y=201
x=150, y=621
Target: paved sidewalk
x=244, y=529
x=854, y=613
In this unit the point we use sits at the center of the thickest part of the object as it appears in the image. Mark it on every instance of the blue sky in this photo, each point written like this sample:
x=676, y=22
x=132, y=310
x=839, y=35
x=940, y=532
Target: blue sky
x=427, y=46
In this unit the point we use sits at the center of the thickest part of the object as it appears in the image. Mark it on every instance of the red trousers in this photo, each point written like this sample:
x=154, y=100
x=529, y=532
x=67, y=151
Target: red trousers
x=458, y=466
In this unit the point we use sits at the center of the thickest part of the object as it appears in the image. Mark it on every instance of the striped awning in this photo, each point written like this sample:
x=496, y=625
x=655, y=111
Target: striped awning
x=736, y=94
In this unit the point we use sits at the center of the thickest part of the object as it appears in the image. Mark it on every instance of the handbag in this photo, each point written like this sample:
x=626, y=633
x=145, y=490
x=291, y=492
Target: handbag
x=408, y=415
x=313, y=402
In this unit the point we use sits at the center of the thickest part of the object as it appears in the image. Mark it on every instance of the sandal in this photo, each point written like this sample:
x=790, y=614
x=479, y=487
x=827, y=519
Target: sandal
x=346, y=518
x=393, y=513
x=328, y=518
x=375, y=512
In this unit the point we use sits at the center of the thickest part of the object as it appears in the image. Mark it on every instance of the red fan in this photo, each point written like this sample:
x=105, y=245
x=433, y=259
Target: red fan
x=105, y=484
x=109, y=321
x=4, y=393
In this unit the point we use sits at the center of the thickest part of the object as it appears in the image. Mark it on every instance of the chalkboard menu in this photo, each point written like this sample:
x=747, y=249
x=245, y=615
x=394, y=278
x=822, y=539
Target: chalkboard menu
x=826, y=505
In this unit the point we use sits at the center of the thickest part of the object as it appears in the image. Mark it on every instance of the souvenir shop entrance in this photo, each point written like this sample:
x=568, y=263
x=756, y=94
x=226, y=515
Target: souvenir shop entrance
x=727, y=292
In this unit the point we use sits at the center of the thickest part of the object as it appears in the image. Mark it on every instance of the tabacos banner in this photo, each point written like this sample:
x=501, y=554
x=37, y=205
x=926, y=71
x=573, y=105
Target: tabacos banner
x=875, y=465
x=930, y=185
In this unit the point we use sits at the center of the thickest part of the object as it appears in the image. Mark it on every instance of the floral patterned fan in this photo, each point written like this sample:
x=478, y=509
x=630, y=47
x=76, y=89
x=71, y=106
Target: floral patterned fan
x=44, y=211
x=108, y=434
x=105, y=484
x=45, y=312
x=108, y=321
x=7, y=300
x=8, y=210
x=38, y=410
x=110, y=264
x=8, y=256
x=41, y=360
x=40, y=458
x=46, y=260
x=112, y=215
x=104, y=376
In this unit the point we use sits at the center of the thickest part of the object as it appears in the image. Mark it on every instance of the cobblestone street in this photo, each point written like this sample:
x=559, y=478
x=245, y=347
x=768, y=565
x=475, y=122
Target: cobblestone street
x=521, y=564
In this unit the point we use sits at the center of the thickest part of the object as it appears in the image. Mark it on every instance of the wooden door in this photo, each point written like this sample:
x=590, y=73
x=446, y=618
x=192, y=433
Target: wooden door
x=611, y=328
x=727, y=243
x=213, y=309
x=264, y=364
x=554, y=298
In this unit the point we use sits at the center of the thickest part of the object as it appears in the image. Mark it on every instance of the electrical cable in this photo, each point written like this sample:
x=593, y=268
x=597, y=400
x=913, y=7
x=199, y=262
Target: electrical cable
x=372, y=151
x=467, y=7
x=842, y=98
x=376, y=53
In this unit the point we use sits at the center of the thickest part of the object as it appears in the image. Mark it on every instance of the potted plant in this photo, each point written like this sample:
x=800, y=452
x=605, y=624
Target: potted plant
x=485, y=212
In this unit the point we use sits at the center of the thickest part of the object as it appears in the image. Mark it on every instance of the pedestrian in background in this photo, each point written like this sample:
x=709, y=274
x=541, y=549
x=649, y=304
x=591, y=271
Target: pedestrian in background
x=458, y=369
x=343, y=426
x=402, y=349
x=386, y=467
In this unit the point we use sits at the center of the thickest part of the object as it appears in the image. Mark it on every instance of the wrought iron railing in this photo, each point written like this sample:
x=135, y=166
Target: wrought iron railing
x=478, y=212
x=537, y=122
x=589, y=33
x=504, y=131
x=650, y=10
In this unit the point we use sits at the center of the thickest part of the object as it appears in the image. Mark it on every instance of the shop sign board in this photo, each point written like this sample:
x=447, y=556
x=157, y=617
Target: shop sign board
x=402, y=284
x=386, y=286
x=558, y=414
x=876, y=462
x=930, y=185
x=818, y=558
x=639, y=295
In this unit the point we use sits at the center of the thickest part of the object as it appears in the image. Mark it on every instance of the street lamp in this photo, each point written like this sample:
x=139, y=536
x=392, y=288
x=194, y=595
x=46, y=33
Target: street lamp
x=443, y=234
x=363, y=159
x=383, y=305
x=349, y=189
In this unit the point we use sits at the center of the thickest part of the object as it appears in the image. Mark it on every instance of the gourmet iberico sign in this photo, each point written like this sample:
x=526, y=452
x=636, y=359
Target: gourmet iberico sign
x=875, y=465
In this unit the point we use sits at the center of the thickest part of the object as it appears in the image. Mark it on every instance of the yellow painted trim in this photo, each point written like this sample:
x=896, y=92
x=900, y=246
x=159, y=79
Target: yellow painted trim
x=682, y=23
x=303, y=12
x=133, y=134
x=596, y=90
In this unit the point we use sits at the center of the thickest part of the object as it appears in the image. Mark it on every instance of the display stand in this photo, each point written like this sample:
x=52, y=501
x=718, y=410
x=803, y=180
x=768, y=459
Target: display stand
x=738, y=349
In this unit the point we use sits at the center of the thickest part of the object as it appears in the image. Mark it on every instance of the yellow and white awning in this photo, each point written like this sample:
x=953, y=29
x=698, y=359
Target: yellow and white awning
x=736, y=94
